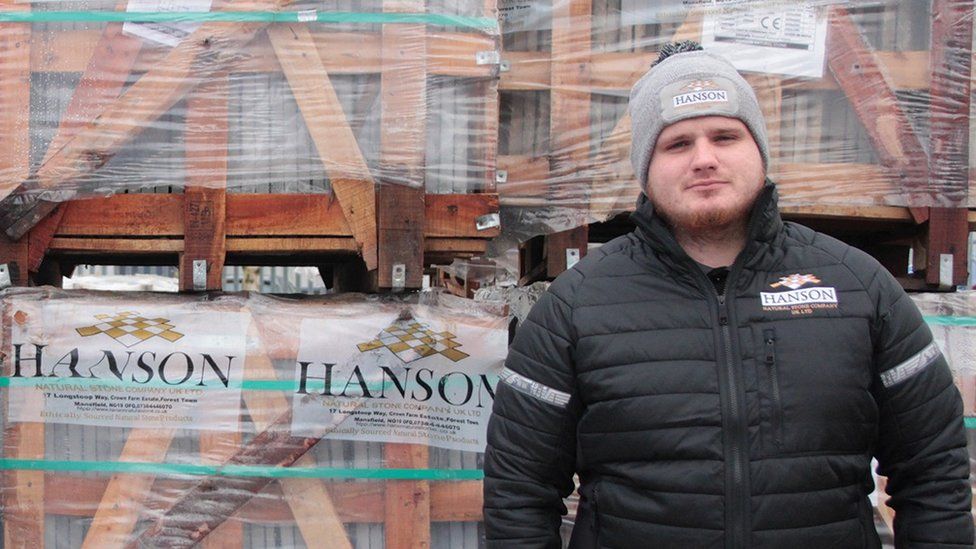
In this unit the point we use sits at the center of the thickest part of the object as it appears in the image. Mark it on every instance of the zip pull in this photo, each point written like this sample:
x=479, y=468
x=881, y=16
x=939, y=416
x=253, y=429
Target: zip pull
x=723, y=317
x=769, y=336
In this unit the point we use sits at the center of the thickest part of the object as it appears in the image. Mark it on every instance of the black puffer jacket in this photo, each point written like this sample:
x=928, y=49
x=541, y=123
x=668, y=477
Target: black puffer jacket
x=745, y=420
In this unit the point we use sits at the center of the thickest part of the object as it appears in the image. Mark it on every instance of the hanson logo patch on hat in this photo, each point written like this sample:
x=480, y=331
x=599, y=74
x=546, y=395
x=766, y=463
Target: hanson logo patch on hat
x=714, y=95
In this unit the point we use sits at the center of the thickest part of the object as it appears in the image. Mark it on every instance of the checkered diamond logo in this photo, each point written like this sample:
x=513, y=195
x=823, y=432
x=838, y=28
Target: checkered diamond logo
x=130, y=329
x=410, y=340
x=796, y=281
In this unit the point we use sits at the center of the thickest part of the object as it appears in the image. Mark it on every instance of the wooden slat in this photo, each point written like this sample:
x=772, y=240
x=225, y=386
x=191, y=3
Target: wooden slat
x=569, y=129
x=124, y=497
x=454, y=215
x=285, y=214
x=485, y=130
x=359, y=502
x=211, y=48
x=115, y=245
x=861, y=77
x=292, y=245
x=848, y=213
x=455, y=245
x=158, y=215
x=407, y=502
x=569, y=124
x=948, y=234
x=15, y=52
x=450, y=53
x=952, y=31
x=456, y=501
x=300, y=215
x=403, y=130
x=23, y=491
x=205, y=197
x=351, y=180
x=616, y=72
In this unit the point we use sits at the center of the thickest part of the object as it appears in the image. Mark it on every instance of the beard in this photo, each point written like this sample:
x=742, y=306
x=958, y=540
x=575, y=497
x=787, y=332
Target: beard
x=711, y=219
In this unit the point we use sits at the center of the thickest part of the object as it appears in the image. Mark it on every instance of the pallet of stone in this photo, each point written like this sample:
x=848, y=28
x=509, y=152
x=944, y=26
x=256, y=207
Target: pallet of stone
x=244, y=420
x=356, y=136
x=848, y=106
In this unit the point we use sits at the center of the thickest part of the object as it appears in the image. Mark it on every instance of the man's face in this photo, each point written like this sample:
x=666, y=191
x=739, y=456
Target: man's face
x=705, y=173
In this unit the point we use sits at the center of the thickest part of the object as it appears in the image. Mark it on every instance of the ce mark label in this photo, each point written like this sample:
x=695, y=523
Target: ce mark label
x=768, y=22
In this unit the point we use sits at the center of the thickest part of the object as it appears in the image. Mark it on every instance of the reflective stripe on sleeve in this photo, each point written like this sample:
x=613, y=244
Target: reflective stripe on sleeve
x=534, y=389
x=912, y=366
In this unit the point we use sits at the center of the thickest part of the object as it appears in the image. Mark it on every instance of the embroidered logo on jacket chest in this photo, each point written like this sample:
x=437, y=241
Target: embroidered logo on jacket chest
x=798, y=300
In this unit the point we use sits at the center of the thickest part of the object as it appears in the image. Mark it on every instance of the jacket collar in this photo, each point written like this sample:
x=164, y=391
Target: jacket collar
x=764, y=224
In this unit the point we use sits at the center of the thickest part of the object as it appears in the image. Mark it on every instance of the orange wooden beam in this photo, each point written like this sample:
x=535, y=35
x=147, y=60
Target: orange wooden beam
x=205, y=197
x=861, y=76
x=951, y=69
x=334, y=140
x=295, y=215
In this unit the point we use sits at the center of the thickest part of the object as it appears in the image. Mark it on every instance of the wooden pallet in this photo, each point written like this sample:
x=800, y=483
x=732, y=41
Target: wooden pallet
x=578, y=76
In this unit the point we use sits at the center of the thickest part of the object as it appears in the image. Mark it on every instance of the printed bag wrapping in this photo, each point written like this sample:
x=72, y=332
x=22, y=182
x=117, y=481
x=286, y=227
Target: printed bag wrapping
x=148, y=420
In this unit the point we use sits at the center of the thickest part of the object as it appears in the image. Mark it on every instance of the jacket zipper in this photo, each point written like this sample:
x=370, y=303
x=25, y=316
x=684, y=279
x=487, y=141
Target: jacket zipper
x=739, y=498
x=769, y=337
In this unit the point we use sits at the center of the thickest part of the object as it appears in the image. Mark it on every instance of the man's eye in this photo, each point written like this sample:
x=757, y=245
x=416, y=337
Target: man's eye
x=726, y=137
x=675, y=145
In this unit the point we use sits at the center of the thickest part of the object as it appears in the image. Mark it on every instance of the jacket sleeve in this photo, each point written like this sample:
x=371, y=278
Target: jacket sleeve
x=922, y=439
x=531, y=453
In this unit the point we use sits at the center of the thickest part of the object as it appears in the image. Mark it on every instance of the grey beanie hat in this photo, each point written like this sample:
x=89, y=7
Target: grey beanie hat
x=688, y=85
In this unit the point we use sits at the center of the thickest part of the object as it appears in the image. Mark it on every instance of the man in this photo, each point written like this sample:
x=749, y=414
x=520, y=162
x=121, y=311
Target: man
x=720, y=378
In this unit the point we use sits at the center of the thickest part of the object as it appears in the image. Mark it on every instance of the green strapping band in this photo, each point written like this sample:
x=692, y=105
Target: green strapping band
x=951, y=320
x=268, y=471
x=247, y=385
x=483, y=23
x=970, y=422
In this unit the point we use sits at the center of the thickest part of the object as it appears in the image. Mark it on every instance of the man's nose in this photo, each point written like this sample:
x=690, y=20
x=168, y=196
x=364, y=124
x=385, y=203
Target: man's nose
x=703, y=156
